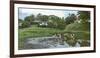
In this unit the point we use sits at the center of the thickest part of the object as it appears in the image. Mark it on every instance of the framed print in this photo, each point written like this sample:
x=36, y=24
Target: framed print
x=40, y=28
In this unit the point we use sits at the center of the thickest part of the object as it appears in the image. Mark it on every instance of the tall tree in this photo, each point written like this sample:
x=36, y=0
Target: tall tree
x=84, y=16
x=20, y=20
x=44, y=18
x=30, y=18
x=56, y=22
x=38, y=17
x=70, y=19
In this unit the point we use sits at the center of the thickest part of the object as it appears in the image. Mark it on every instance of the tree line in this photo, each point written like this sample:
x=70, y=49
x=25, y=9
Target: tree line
x=54, y=21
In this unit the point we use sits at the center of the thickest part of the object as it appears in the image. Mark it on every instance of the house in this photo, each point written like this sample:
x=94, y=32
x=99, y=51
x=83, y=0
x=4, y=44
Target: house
x=43, y=24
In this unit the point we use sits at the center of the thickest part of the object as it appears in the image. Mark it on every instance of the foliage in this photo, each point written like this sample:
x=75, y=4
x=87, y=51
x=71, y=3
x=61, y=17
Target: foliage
x=56, y=25
x=78, y=27
x=84, y=16
x=29, y=19
x=38, y=17
x=25, y=24
x=20, y=21
x=70, y=19
x=61, y=24
x=44, y=18
x=41, y=17
x=56, y=22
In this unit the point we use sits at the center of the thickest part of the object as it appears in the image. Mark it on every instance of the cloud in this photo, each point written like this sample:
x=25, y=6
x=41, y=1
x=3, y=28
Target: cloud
x=23, y=12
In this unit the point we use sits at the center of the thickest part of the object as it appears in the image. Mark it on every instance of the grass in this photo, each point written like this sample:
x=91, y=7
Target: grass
x=35, y=31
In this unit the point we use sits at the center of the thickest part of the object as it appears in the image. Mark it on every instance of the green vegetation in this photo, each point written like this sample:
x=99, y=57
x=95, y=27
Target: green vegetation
x=73, y=31
x=81, y=31
x=78, y=27
x=70, y=19
x=84, y=16
x=35, y=31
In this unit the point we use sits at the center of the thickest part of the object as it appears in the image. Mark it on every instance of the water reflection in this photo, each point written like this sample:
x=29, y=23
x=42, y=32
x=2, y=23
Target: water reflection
x=52, y=42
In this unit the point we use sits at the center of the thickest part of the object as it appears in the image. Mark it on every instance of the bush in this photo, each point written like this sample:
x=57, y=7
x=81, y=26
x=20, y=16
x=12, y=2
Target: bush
x=61, y=24
x=25, y=24
x=51, y=25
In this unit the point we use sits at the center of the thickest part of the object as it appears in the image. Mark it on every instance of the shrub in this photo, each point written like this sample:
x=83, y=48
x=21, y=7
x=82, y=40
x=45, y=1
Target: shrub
x=25, y=24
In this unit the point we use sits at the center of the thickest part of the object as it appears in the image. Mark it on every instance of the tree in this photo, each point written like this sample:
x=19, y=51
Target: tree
x=84, y=16
x=53, y=21
x=56, y=22
x=25, y=24
x=70, y=19
x=61, y=24
x=38, y=17
x=41, y=17
x=30, y=19
x=20, y=21
x=44, y=18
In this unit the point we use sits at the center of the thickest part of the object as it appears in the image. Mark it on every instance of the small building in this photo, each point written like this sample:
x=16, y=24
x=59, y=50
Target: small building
x=43, y=24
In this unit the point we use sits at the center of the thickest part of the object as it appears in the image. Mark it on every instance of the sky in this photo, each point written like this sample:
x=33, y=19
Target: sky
x=23, y=12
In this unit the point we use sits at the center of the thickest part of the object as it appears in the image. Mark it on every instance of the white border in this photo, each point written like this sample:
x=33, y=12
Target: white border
x=50, y=50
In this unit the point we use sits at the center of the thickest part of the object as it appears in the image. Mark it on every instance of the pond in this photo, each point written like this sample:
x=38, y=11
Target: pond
x=47, y=43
